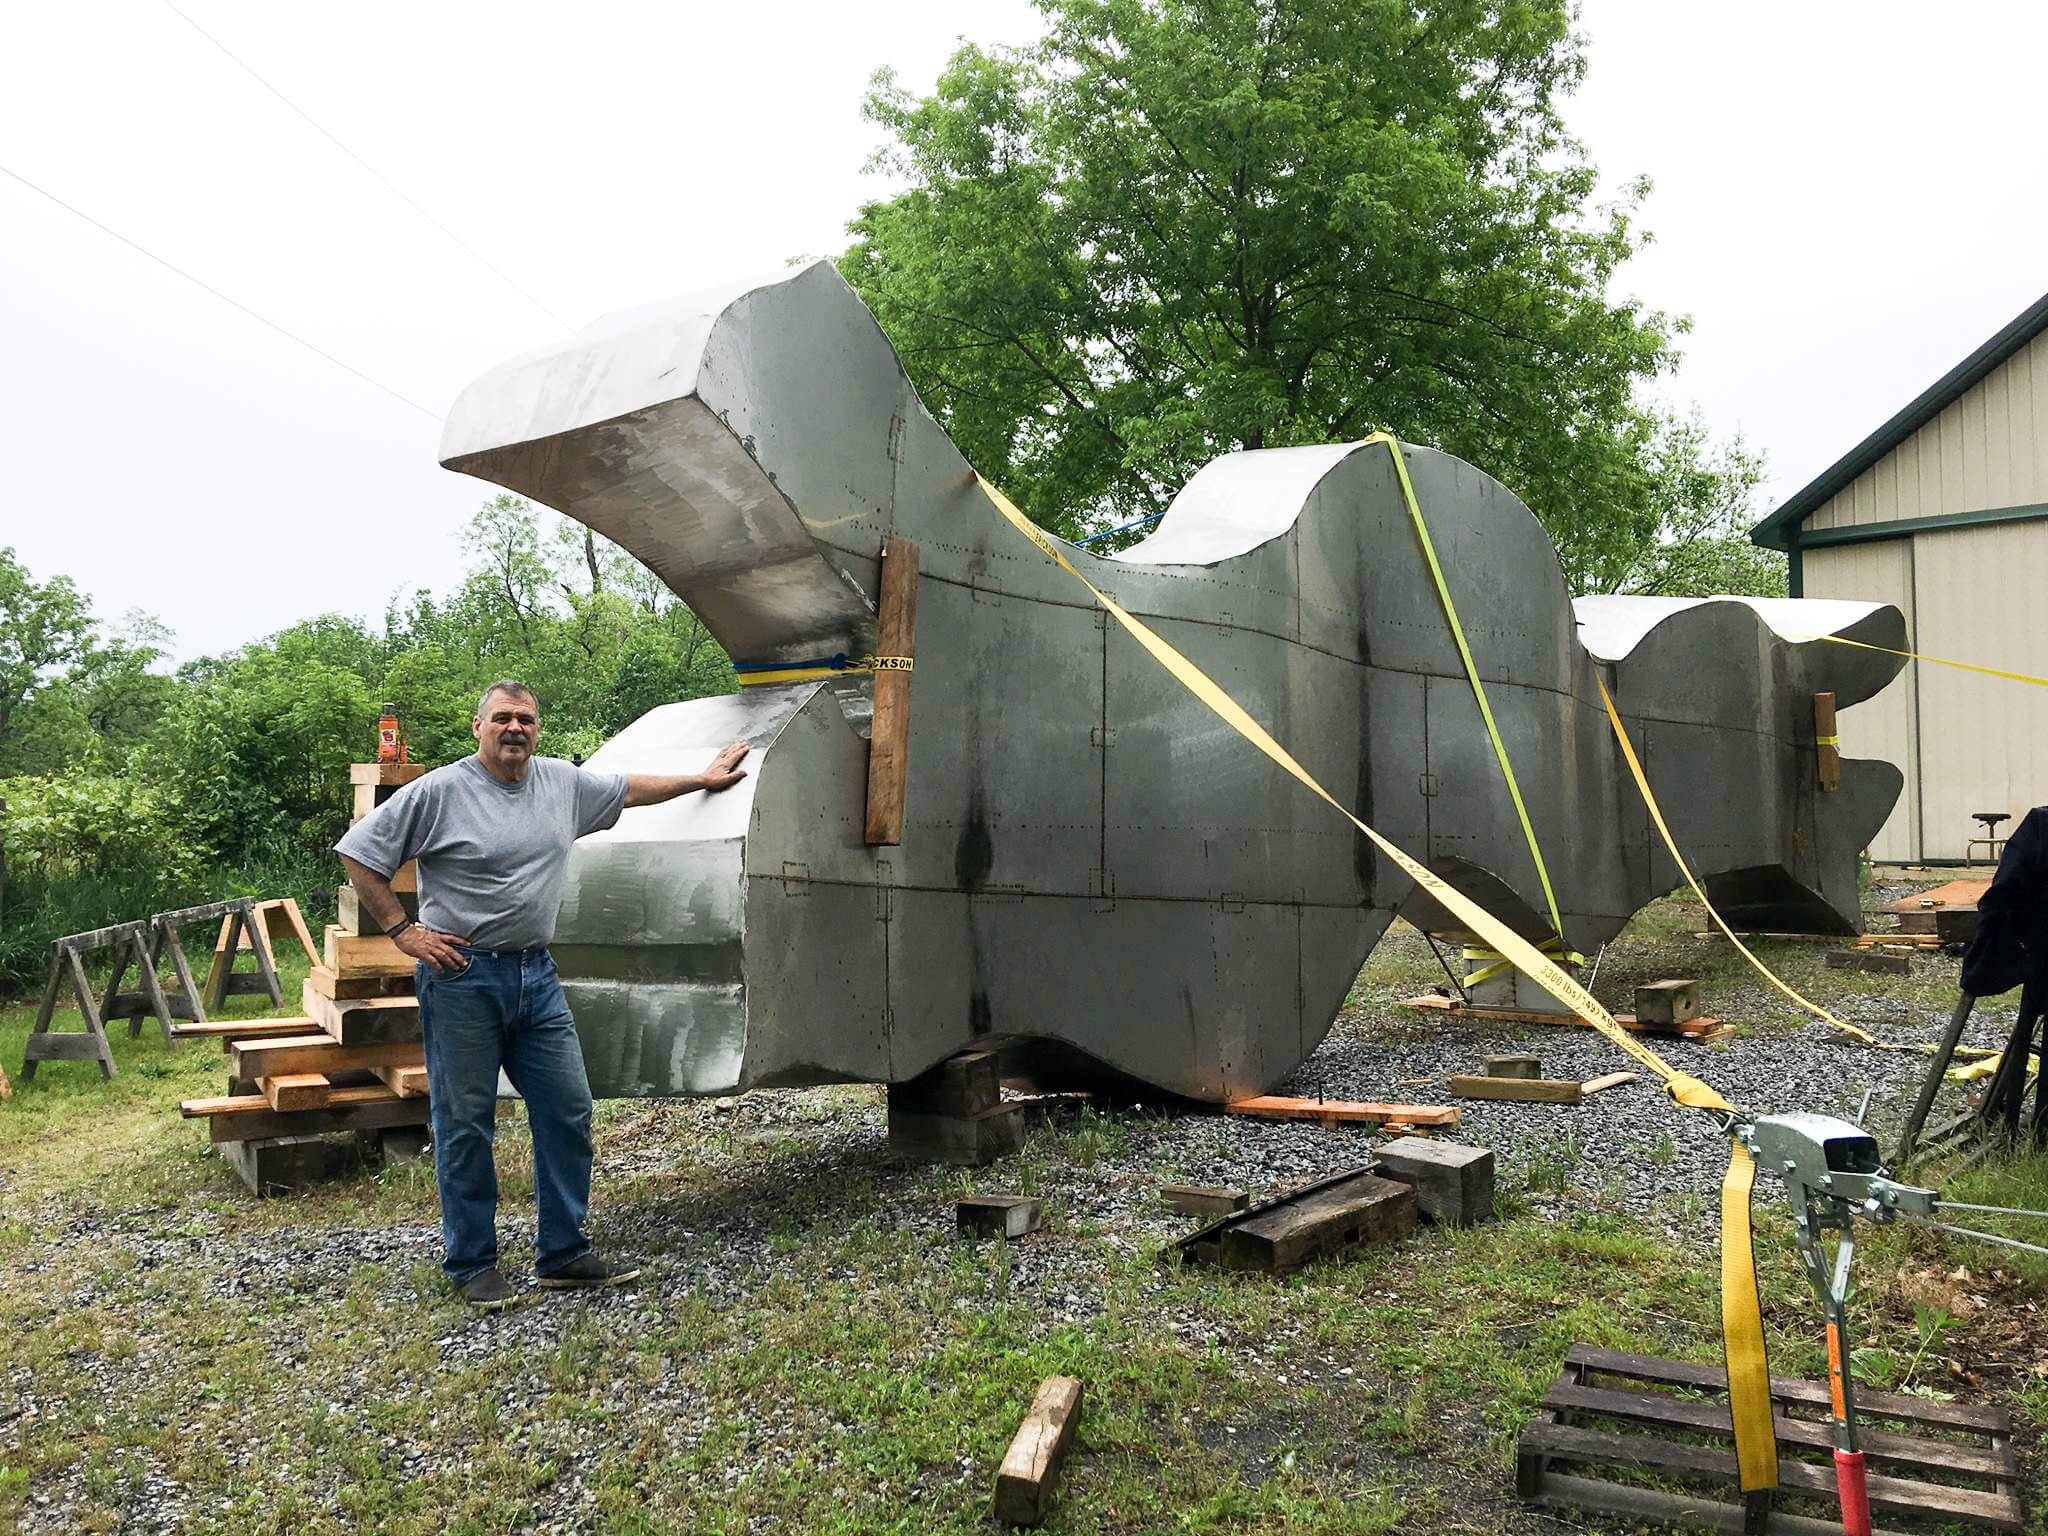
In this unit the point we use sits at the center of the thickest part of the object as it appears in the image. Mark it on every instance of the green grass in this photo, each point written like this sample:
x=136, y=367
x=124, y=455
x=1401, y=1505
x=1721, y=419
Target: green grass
x=851, y=1372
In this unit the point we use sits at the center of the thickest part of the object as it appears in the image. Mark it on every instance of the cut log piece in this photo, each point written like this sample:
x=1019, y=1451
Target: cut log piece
x=1030, y=1473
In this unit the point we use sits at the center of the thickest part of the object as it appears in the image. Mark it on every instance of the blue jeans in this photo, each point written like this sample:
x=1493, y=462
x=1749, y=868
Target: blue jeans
x=505, y=1009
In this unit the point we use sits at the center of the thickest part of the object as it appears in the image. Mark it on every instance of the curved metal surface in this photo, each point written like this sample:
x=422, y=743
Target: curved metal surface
x=1091, y=861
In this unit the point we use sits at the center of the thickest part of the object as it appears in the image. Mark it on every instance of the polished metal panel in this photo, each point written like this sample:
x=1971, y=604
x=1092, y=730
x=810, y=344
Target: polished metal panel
x=1095, y=872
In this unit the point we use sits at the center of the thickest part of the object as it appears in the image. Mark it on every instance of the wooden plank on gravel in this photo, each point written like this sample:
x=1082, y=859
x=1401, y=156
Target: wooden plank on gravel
x=296, y=1091
x=1704, y=1030
x=1519, y=1090
x=317, y=1053
x=1336, y=1111
x=1030, y=1470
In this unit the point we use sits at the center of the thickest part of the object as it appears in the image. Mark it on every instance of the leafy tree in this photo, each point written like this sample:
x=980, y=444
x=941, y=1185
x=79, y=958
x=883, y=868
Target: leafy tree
x=1691, y=536
x=1174, y=228
x=43, y=626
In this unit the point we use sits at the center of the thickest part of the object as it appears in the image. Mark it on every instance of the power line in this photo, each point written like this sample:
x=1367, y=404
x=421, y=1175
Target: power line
x=78, y=213
x=371, y=169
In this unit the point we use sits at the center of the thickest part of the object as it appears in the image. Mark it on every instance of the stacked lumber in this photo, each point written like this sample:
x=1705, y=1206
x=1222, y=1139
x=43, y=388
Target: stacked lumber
x=351, y=1060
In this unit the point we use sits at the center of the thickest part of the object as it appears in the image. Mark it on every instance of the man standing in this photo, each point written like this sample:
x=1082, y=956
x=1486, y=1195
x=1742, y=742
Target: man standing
x=492, y=835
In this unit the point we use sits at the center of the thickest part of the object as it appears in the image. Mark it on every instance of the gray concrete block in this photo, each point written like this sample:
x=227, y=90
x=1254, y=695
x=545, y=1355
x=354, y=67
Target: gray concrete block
x=1667, y=1002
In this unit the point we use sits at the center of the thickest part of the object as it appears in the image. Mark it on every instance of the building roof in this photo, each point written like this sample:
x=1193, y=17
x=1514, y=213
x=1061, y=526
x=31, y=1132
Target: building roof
x=1777, y=530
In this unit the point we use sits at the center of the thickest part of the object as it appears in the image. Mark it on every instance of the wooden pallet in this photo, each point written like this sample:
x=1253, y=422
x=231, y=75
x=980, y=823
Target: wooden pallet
x=1612, y=1413
x=1706, y=1031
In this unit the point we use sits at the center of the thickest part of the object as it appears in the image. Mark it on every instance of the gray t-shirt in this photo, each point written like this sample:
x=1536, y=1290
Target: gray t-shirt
x=491, y=854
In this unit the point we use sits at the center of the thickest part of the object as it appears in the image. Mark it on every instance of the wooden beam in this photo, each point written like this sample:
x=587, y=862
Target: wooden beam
x=380, y=1114
x=1519, y=1090
x=233, y=1030
x=297, y=1090
x=1606, y=1080
x=1830, y=772
x=889, y=730
x=327, y=984
x=408, y=1082
x=1030, y=1472
x=232, y=1105
x=1339, y=1111
x=313, y=1052
x=366, y=1021
x=352, y=956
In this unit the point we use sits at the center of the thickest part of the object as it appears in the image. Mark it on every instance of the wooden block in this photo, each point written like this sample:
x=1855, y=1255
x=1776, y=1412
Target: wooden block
x=1828, y=751
x=1272, y=1106
x=406, y=878
x=391, y=774
x=351, y=916
x=965, y=1084
x=1453, y=1183
x=351, y=955
x=282, y=1165
x=1604, y=1081
x=363, y=1021
x=1875, y=961
x=327, y=984
x=295, y=1091
x=1361, y=1208
x=1539, y=1090
x=1668, y=1002
x=406, y=1082
x=6, y=1088
x=1513, y=1066
x=1030, y=1473
x=317, y=1053
x=1005, y=1216
x=1203, y=1200
x=965, y=1141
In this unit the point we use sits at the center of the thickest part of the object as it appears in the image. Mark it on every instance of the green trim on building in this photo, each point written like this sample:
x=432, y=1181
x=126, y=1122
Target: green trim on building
x=1906, y=527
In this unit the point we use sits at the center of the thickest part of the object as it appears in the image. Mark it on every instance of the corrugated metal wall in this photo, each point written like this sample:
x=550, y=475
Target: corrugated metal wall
x=1964, y=741
x=1988, y=449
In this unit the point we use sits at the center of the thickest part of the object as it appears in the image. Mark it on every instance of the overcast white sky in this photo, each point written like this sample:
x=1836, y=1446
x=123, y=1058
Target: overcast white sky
x=1847, y=201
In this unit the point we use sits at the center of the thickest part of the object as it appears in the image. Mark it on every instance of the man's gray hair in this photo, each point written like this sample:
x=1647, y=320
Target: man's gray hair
x=510, y=685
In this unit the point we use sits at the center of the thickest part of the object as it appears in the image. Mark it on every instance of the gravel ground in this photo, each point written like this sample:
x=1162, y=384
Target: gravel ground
x=773, y=1161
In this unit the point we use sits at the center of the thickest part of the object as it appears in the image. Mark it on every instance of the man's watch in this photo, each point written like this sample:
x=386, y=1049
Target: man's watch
x=399, y=927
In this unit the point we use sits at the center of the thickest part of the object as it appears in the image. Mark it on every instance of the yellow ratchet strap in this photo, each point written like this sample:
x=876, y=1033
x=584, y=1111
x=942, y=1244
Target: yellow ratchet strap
x=1443, y=596
x=1936, y=661
x=1492, y=962
x=757, y=677
x=1635, y=768
x=1742, y=1331
x=1740, y=1318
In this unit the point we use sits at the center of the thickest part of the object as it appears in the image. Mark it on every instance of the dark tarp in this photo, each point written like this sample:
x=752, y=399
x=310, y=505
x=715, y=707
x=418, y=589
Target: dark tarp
x=2011, y=946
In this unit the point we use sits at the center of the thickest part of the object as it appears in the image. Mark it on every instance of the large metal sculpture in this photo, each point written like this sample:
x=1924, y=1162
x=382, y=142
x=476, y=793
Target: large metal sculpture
x=1094, y=871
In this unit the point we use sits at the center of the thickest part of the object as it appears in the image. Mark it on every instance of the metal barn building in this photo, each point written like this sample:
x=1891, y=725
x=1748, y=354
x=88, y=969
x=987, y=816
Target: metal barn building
x=1943, y=511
